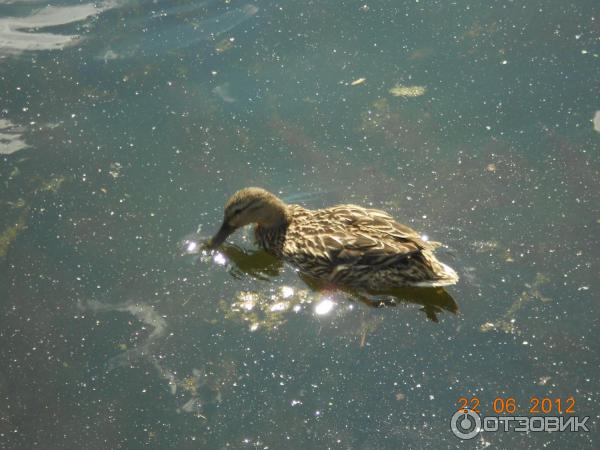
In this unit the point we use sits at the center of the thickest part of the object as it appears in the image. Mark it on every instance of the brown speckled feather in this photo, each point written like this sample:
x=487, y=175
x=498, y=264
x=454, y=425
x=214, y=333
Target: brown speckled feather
x=355, y=246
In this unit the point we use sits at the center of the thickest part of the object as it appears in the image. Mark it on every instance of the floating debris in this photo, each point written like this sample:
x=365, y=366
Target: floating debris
x=224, y=45
x=115, y=169
x=400, y=90
x=543, y=381
x=367, y=326
x=484, y=246
x=358, y=81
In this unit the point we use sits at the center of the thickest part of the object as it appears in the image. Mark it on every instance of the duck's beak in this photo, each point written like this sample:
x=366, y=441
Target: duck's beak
x=221, y=235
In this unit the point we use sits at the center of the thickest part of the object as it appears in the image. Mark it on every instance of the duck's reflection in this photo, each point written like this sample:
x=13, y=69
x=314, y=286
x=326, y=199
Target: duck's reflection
x=261, y=265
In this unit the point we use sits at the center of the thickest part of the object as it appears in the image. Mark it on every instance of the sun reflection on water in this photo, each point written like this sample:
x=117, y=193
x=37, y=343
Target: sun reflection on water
x=324, y=307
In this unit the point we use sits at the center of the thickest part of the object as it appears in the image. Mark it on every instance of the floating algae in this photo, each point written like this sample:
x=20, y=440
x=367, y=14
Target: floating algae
x=191, y=383
x=144, y=313
x=10, y=234
x=507, y=322
x=400, y=90
x=205, y=385
x=196, y=391
x=493, y=247
x=377, y=116
x=20, y=203
x=52, y=185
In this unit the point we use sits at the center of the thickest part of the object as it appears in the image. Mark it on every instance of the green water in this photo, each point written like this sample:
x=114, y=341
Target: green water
x=126, y=125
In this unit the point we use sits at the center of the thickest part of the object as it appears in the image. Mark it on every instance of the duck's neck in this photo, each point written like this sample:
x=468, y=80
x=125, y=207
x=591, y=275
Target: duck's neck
x=277, y=214
x=270, y=234
x=271, y=238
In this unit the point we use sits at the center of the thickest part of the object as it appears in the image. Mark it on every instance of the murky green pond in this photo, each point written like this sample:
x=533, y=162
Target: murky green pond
x=126, y=124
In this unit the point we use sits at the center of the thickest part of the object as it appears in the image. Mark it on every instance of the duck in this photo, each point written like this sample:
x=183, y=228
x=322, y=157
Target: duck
x=341, y=245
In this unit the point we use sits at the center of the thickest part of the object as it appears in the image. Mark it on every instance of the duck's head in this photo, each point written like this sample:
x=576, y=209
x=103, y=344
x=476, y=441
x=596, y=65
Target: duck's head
x=250, y=205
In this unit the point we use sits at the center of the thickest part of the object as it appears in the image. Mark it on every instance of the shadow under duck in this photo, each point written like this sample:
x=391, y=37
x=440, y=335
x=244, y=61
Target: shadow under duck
x=345, y=245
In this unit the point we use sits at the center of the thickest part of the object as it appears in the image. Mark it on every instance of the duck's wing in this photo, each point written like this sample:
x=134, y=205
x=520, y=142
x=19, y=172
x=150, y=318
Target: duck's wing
x=350, y=236
x=361, y=249
x=378, y=223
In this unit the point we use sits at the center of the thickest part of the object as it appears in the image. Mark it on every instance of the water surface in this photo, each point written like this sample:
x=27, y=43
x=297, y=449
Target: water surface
x=125, y=126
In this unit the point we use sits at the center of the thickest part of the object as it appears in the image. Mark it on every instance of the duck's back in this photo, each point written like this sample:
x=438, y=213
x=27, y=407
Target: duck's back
x=355, y=246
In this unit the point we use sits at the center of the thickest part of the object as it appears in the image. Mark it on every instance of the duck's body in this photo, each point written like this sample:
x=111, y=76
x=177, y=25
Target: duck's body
x=346, y=245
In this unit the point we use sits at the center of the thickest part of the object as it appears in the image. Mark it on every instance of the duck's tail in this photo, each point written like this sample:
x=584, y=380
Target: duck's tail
x=442, y=274
x=447, y=275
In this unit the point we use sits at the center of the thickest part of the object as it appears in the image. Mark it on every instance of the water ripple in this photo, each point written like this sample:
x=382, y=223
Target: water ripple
x=22, y=34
